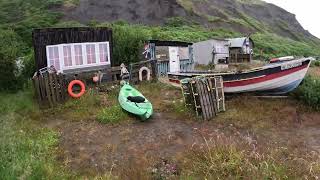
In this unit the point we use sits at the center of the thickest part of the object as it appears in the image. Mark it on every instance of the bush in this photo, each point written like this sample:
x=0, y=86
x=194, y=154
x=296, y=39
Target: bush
x=309, y=92
x=10, y=45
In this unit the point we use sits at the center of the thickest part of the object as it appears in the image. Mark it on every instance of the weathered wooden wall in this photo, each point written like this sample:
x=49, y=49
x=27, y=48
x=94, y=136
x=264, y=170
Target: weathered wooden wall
x=53, y=36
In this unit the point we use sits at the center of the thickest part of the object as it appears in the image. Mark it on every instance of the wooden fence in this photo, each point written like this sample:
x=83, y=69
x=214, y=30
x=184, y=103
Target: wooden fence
x=50, y=89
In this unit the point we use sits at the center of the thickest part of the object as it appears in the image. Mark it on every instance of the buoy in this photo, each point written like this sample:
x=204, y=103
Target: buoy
x=82, y=86
x=148, y=73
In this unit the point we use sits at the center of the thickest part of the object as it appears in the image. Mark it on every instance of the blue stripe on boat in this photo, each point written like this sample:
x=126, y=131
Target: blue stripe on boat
x=284, y=89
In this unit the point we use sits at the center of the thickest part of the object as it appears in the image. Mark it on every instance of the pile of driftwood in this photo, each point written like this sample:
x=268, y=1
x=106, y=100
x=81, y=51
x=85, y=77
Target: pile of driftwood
x=205, y=95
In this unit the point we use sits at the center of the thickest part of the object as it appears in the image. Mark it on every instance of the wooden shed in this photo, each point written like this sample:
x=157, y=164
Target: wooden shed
x=241, y=50
x=213, y=51
x=172, y=56
x=73, y=50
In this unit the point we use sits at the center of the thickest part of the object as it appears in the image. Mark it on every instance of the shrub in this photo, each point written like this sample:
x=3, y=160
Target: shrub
x=309, y=92
x=9, y=52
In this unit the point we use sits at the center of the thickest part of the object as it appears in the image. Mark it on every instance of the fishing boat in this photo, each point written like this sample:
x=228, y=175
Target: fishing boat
x=271, y=79
x=134, y=102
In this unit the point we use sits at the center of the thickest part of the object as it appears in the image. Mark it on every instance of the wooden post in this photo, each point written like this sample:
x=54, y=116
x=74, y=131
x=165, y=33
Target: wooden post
x=52, y=88
x=57, y=87
x=154, y=70
x=47, y=89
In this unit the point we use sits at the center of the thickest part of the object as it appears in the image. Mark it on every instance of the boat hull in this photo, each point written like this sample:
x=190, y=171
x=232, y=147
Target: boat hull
x=273, y=79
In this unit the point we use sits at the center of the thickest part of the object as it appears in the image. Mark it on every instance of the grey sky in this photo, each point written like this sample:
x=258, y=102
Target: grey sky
x=306, y=11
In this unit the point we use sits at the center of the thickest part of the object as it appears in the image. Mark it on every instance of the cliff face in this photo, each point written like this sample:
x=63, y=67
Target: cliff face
x=245, y=16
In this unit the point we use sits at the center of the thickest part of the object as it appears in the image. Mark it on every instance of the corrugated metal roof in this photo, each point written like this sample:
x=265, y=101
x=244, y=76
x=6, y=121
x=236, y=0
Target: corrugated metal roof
x=237, y=42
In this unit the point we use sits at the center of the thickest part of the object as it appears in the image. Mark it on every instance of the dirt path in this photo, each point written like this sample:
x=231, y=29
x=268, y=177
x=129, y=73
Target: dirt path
x=91, y=147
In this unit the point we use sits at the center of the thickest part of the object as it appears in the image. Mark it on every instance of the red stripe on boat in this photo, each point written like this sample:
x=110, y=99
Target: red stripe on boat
x=245, y=82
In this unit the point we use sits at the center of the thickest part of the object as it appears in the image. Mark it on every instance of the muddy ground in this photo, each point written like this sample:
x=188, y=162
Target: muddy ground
x=89, y=147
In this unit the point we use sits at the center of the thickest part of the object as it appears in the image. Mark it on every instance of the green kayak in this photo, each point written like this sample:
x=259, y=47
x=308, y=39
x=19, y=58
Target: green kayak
x=134, y=102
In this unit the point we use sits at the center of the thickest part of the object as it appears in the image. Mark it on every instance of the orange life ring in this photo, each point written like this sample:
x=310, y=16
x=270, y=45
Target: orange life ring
x=82, y=86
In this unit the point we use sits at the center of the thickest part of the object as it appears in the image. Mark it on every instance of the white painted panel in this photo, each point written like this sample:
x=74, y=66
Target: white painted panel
x=174, y=62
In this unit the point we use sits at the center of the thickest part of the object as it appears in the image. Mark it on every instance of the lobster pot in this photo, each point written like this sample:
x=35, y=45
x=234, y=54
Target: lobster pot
x=204, y=95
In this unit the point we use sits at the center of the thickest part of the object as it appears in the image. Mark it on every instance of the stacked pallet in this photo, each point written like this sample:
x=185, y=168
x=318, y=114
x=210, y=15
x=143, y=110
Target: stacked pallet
x=205, y=95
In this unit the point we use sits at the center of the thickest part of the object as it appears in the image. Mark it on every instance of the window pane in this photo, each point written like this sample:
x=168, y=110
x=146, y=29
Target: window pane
x=67, y=55
x=56, y=59
x=91, y=53
x=53, y=57
x=78, y=54
x=103, y=52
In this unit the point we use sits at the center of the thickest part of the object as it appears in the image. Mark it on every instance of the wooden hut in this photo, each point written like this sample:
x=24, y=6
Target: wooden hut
x=172, y=56
x=241, y=50
x=213, y=51
x=73, y=50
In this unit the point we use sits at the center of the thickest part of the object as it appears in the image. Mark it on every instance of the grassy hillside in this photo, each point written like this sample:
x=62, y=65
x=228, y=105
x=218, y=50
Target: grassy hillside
x=19, y=17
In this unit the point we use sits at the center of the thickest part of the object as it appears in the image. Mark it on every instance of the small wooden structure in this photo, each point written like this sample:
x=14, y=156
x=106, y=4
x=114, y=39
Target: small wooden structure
x=50, y=89
x=134, y=69
x=213, y=51
x=241, y=50
x=73, y=50
x=205, y=95
x=171, y=56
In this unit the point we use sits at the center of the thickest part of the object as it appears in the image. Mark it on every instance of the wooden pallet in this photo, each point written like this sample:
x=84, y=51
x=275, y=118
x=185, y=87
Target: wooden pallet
x=204, y=95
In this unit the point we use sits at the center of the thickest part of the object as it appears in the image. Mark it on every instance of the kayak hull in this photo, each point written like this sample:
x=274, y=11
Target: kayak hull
x=143, y=110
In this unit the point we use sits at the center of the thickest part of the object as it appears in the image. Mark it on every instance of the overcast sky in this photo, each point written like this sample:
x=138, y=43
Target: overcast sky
x=306, y=11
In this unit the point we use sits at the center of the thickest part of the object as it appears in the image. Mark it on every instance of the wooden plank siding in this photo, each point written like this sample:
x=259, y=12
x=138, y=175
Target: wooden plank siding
x=53, y=36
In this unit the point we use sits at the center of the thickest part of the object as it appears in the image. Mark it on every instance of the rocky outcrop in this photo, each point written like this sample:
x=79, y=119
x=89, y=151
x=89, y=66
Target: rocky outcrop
x=244, y=16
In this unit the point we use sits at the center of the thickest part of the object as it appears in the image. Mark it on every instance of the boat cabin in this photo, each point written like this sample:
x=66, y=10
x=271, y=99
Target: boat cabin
x=172, y=56
x=73, y=50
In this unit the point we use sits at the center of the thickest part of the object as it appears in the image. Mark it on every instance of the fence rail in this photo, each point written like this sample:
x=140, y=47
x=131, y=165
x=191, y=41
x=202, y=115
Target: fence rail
x=50, y=89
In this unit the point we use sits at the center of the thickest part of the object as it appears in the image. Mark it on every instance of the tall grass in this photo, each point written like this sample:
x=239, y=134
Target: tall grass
x=224, y=158
x=309, y=92
x=26, y=149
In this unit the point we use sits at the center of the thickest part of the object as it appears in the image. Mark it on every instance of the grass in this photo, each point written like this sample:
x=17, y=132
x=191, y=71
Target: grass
x=224, y=158
x=112, y=115
x=309, y=92
x=27, y=151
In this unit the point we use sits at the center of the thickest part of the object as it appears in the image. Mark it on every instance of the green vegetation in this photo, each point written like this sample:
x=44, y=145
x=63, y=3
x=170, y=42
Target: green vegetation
x=309, y=92
x=112, y=115
x=27, y=150
x=270, y=45
x=19, y=17
x=224, y=159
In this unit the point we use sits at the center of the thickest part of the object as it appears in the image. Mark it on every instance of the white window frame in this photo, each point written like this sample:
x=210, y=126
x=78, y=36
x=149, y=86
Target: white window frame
x=84, y=55
x=48, y=58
